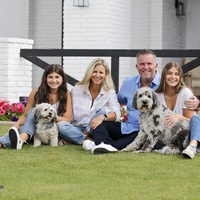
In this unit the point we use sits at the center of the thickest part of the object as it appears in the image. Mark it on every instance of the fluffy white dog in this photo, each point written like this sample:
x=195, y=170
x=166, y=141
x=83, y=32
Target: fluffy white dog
x=46, y=129
x=152, y=127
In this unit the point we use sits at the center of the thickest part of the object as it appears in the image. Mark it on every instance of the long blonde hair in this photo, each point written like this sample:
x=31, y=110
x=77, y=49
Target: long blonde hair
x=108, y=82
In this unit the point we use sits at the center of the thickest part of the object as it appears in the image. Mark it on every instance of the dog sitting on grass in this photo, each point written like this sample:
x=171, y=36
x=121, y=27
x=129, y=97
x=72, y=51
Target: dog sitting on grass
x=152, y=127
x=46, y=129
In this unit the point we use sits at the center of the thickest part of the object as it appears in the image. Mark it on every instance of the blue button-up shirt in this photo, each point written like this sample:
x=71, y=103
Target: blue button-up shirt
x=125, y=96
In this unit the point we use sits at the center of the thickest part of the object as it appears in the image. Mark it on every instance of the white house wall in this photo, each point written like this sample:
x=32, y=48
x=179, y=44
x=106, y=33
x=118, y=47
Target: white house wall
x=14, y=18
x=46, y=29
x=113, y=24
x=193, y=24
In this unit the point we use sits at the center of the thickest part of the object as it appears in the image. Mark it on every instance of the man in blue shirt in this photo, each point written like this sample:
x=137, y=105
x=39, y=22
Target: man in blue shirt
x=113, y=136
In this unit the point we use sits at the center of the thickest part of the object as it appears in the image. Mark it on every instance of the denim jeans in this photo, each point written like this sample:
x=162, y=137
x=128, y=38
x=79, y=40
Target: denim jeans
x=71, y=133
x=195, y=128
x=74, y=133
x=28, y=127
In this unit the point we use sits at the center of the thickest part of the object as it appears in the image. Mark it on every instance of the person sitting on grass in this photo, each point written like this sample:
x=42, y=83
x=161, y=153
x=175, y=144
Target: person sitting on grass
x=94, y=101
x=52, y=90
x=119, y=134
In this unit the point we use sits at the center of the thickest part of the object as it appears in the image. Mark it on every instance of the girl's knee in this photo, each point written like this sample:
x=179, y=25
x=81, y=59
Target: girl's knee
x=196, y=118
x=63, y=125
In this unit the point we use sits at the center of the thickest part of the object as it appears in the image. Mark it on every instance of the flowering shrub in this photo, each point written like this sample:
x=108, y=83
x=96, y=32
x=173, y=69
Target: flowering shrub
x=11, y=111
x=124, y=113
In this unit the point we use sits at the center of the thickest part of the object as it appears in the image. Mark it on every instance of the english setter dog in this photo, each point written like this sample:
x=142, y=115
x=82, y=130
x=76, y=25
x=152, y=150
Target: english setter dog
x=46, y=129
x=152, y=127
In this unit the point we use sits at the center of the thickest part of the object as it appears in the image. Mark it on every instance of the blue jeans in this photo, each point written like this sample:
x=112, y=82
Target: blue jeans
x=110, y=133
x=73, y=133
x=28, y=127
x=195, y=128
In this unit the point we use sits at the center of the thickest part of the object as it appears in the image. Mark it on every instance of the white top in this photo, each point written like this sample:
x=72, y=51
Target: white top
x=82, y=101
x=55, y=106
x=184, y=94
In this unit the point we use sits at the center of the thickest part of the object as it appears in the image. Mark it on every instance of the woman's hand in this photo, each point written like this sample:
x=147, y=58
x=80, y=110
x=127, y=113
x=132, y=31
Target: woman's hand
x=96, y=121
x=171, y=120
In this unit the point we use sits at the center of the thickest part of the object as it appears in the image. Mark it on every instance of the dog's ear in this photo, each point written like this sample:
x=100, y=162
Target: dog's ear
x=36, y=112
x=155, y=100
x=135, y=100
x=54, y=115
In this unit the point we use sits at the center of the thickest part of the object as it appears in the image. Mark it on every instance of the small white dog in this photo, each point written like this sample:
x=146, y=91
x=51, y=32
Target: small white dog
x=46, y=129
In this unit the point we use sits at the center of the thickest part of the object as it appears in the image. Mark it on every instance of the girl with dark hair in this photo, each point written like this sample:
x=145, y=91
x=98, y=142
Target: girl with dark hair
x=52, y=90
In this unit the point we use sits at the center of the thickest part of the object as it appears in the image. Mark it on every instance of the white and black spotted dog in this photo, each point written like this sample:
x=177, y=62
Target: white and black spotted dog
x=46, y=131
x=152, y=127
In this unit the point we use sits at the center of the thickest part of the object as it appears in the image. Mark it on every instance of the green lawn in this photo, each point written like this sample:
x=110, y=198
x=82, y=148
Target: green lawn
x=68, y=172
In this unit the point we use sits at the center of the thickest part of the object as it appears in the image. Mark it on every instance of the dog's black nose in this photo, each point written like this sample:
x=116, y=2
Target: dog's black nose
x=50, y=113
x=144, y=102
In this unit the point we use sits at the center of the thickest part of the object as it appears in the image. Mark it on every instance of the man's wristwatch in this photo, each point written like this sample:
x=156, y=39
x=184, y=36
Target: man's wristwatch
x=105, y=117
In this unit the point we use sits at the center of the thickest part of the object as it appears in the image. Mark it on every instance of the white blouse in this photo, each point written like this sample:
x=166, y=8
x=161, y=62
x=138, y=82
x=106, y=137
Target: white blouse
x=184, y=94
x=82, y=101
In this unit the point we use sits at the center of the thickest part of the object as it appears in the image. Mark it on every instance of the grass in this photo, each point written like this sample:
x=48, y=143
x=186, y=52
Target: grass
x=68, y=172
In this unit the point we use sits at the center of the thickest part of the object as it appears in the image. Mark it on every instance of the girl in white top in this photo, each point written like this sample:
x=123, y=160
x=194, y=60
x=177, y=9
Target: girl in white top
x=172, y=92
x=52, y=90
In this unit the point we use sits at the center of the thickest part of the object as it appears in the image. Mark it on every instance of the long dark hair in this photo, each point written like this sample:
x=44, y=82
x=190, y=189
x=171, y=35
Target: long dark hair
x=42, y=95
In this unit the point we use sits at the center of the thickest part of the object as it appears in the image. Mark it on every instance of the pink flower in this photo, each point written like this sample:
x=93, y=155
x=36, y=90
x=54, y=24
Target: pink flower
x=10, y=111
x=20, y=107
x=13, y=109
x=124, y=113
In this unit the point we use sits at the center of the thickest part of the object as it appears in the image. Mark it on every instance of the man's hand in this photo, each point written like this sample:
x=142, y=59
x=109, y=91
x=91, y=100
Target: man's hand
x=192, y=103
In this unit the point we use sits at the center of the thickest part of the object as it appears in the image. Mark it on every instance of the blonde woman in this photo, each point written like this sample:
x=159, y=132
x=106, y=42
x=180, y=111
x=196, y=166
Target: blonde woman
x=94, y=100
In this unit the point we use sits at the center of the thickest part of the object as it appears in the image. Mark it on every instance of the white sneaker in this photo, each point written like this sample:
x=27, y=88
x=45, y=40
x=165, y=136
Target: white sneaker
x=189, y=152
x=88, y=145
x=103, y=148
x=15, y=141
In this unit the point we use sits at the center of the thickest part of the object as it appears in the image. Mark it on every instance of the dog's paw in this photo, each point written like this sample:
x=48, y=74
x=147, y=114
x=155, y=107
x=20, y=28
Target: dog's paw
x=127, y=149
x=130, y=147
x=144, y=150
x=157, y=150
x=166, y=150
x=36, y=145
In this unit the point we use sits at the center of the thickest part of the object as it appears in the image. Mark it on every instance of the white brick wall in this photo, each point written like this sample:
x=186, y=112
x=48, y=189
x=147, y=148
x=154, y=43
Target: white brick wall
x=113, y=24
x=45, y=28
x=102, y=25
x=16, y=72
x=117, y=24
x=14, y=18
